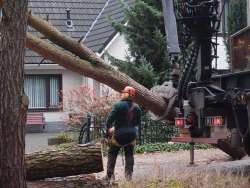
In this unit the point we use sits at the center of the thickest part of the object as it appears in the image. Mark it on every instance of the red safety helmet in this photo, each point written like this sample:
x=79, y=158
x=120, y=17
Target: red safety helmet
x=130, y=90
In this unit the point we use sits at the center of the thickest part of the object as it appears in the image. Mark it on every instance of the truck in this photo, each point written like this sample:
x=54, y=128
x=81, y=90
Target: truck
x=212, y=108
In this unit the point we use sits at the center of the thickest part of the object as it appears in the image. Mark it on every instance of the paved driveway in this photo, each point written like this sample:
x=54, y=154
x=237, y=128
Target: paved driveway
x=37, y=141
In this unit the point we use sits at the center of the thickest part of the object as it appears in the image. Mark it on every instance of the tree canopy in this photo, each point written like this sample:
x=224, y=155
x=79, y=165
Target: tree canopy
x=147, y=61
x=237, y=16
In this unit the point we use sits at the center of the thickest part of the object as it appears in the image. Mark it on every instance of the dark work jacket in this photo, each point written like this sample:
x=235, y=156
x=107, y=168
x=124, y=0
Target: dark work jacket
x=125, y=127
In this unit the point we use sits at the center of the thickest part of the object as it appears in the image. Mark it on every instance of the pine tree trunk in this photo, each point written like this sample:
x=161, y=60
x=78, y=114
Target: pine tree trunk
x=89, y=64
x=13, y=103
x=100, y=72
x=64, y=160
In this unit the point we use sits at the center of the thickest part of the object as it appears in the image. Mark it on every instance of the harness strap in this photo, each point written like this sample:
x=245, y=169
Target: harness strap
x=130, y=114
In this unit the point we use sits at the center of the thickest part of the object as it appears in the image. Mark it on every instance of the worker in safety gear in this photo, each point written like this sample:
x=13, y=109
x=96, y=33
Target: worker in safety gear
x=122, y=124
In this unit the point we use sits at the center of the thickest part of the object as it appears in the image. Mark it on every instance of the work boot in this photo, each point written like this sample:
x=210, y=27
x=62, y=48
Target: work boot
x=128, y=176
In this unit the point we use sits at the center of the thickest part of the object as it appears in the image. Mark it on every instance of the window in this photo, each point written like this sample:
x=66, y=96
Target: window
x=43, y=91
x=97, y=87
x=85, y=81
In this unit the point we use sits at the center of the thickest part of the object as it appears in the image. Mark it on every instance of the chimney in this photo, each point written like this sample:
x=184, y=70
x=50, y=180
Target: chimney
x=69, y=22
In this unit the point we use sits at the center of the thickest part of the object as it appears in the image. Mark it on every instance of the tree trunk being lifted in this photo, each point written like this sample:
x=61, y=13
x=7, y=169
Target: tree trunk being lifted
x=64, y=160
x=103, y=73
x=100, y=72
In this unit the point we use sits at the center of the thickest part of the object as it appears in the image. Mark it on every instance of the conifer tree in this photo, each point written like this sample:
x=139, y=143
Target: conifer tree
x=147, y=61
x=237, y=16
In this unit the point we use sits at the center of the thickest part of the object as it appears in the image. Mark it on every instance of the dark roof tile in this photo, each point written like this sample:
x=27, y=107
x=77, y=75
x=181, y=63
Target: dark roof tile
x=83, y=14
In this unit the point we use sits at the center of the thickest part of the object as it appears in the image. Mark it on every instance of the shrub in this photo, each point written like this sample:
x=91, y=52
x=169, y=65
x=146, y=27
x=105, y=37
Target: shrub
x=64, y=138
x=83, y=100
x=169, y=147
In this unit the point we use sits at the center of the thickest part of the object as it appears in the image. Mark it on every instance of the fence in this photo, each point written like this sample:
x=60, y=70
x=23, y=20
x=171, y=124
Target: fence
x=149, y=132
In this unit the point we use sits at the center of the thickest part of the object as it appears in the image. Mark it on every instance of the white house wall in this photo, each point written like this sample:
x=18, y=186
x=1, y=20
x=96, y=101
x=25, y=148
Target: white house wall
x=70, y=80
x=222, y=62
x=118, y=47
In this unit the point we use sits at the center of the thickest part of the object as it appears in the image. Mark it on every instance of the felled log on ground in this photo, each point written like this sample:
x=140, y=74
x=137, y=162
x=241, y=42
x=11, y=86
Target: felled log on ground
x=86, y=181
x=64, y=160
x=95, y=68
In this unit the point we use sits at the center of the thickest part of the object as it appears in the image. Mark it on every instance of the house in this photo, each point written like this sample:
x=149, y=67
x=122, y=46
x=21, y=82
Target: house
x=81, y=19
x=222, y=62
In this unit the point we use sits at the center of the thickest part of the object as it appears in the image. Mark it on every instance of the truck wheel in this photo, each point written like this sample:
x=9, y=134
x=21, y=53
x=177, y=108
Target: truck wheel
x=246, y=142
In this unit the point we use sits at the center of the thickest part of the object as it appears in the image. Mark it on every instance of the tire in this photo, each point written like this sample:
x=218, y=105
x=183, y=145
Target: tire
x=246, y=142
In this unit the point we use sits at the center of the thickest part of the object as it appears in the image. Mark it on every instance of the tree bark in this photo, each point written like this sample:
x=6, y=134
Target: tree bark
x=156, y=105
x=100, y=72
x=82, y=181
x=64, y=160
x=95, y=68
x=235, y=153
x=13, y=103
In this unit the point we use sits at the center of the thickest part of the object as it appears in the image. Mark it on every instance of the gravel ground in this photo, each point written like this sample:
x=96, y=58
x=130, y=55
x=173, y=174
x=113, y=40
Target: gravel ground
x=170, y=163
x=156, y=165
x=37, y=141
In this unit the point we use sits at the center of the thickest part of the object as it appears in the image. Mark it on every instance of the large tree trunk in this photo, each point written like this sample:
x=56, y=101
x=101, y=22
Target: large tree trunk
x=98, y=71
x=64, y=160
x=13, y=103
x=89, y=64
x=102, y=73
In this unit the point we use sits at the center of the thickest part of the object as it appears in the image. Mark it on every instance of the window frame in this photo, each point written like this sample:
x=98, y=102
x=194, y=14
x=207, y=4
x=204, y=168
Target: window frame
x=47, y=93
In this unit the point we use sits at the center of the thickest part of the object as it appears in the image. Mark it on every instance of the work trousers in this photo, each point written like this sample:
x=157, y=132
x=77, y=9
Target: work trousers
x=129, y=160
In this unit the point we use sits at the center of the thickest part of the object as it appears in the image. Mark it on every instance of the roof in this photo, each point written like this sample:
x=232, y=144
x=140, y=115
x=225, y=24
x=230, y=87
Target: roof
x=89, y=18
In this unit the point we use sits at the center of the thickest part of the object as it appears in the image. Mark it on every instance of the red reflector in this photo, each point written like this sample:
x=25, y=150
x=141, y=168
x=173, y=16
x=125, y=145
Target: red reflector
x=215, y=121
x=179, y=122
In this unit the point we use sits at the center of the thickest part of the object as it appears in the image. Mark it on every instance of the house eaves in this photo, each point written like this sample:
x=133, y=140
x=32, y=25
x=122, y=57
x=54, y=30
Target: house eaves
x=102, y=32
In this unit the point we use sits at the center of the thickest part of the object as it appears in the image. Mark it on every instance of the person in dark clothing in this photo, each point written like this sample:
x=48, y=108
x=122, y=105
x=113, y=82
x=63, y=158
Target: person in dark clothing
x=122, y=124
